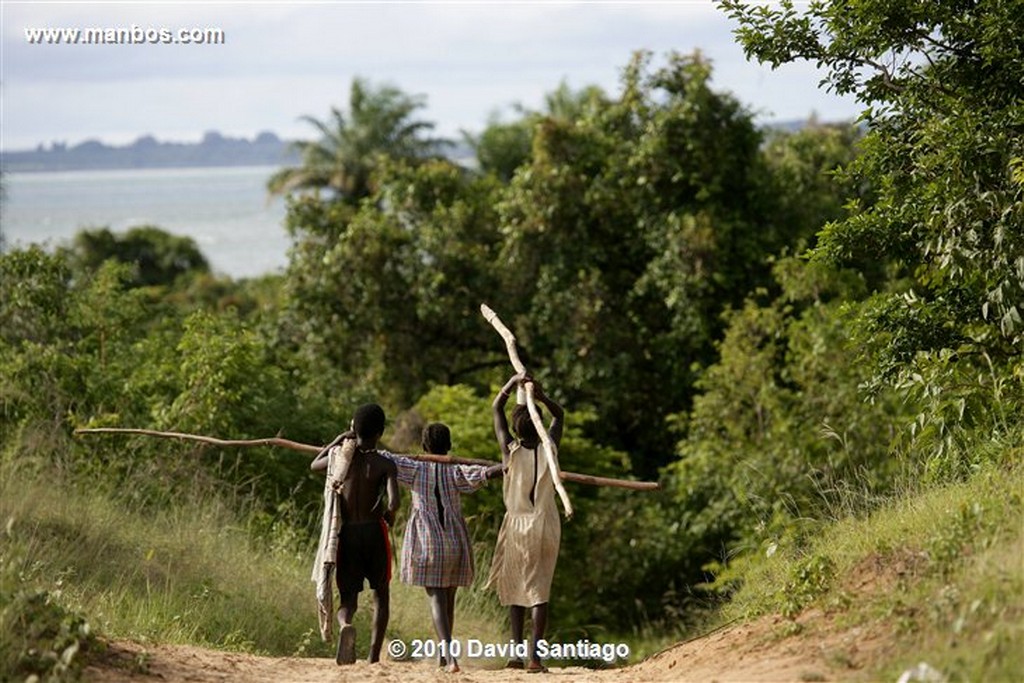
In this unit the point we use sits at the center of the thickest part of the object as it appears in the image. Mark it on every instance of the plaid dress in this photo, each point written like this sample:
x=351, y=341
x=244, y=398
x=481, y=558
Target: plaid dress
x=436, y=551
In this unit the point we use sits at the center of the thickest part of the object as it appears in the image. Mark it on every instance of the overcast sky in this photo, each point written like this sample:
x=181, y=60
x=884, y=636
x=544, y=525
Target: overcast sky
x=282, y=60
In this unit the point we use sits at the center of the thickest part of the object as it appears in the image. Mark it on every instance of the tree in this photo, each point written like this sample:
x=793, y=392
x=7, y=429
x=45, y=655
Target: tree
x=613, y=251
x=940, y=83
x=379, y=124
x=156, y=256
x=3, y=205
x=33, y=296
x=629, y=232
x=805, y=170
x=65, y=339
x=503, y=147
x=386, y=296
x=780, y=422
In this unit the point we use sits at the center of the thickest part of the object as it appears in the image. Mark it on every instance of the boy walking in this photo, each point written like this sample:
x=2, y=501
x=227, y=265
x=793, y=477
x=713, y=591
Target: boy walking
x=357, y=472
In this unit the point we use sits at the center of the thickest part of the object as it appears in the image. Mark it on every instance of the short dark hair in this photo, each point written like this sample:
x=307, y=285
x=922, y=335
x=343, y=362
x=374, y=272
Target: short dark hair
x=437, y=438
x=522, y=424
x=368, y=421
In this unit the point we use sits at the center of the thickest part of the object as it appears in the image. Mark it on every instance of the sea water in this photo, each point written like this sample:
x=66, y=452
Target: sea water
x=227, y=211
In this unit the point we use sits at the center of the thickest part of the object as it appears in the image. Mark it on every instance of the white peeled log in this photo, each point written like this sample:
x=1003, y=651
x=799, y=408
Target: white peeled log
x=550, y=449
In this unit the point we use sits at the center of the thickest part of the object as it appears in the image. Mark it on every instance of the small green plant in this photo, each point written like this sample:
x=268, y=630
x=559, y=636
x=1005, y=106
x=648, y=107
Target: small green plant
x=809, y=579
x=52, y=637
x=140, y=663
x=952, y=540
x=305, y=643
x=790, y=629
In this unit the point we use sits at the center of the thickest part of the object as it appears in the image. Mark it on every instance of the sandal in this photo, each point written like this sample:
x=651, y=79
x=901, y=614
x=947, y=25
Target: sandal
x=536, y=668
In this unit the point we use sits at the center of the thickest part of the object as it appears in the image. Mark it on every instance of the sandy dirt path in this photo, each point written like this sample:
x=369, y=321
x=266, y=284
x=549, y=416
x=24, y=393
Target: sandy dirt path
x=755, y=652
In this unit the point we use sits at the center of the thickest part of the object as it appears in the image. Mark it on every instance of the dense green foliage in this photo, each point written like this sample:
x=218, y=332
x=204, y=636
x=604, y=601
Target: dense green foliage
x=387, y=294
x=941, y=84
x=781, y=327
x=155, y=256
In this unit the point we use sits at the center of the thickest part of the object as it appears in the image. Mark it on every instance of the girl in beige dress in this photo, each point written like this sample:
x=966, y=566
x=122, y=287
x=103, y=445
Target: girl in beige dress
x=527, y=548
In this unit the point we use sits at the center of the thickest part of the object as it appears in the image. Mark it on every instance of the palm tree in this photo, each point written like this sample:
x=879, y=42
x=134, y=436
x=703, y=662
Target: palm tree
x=565, y=104
x=3, y=202
x=379, y=124
x=503, y=147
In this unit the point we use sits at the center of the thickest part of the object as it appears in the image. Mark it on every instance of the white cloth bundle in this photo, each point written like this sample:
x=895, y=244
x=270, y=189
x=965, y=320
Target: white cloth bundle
x=338, y=460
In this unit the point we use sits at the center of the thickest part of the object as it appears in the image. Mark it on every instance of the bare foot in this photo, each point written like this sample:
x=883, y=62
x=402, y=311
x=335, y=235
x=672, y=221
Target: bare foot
x=535, y=667
x=346, y=645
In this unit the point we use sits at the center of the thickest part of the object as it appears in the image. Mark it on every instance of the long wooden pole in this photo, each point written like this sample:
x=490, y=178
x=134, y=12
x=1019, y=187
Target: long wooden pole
x=308, y=448
x=566, y=476
x=273, y=441
x=550, y=449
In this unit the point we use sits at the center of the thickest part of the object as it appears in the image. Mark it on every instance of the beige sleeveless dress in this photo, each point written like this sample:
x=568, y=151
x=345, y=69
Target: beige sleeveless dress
x=527, y=548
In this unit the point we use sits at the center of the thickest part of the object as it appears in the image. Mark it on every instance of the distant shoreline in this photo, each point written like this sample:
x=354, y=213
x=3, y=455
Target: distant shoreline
x=8, y=170
x=213, y=151
x=211, y=167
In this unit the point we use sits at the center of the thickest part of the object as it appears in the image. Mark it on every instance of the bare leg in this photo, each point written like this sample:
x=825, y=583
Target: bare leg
x=381, y=614
x=347, y=608
x=451, y=622
x=439, y=612
x=451, y=608
x=540, y=622
x=346, y=653
x=517, y=618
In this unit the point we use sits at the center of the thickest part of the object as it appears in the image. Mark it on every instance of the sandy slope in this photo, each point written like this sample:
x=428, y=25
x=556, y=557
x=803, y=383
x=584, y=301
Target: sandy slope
x=758, y=651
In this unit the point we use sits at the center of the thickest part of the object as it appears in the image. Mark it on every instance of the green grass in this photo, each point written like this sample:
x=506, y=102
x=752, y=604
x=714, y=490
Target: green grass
x=193, y=572
x=940, y=570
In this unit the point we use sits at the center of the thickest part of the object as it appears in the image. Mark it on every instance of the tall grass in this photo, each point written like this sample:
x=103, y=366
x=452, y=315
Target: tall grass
x=200, y=569
x=939, y=569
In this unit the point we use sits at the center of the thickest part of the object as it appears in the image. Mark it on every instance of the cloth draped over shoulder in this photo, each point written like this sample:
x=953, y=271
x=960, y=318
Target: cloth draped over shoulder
x=339, y=458
x=524, y=559
x=436, y=550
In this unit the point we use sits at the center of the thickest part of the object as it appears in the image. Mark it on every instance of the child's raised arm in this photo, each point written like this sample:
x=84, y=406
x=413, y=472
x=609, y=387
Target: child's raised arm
x=320, y=461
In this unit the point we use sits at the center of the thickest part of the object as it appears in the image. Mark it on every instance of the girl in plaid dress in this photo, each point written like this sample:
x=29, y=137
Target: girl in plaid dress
x=436, y=552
